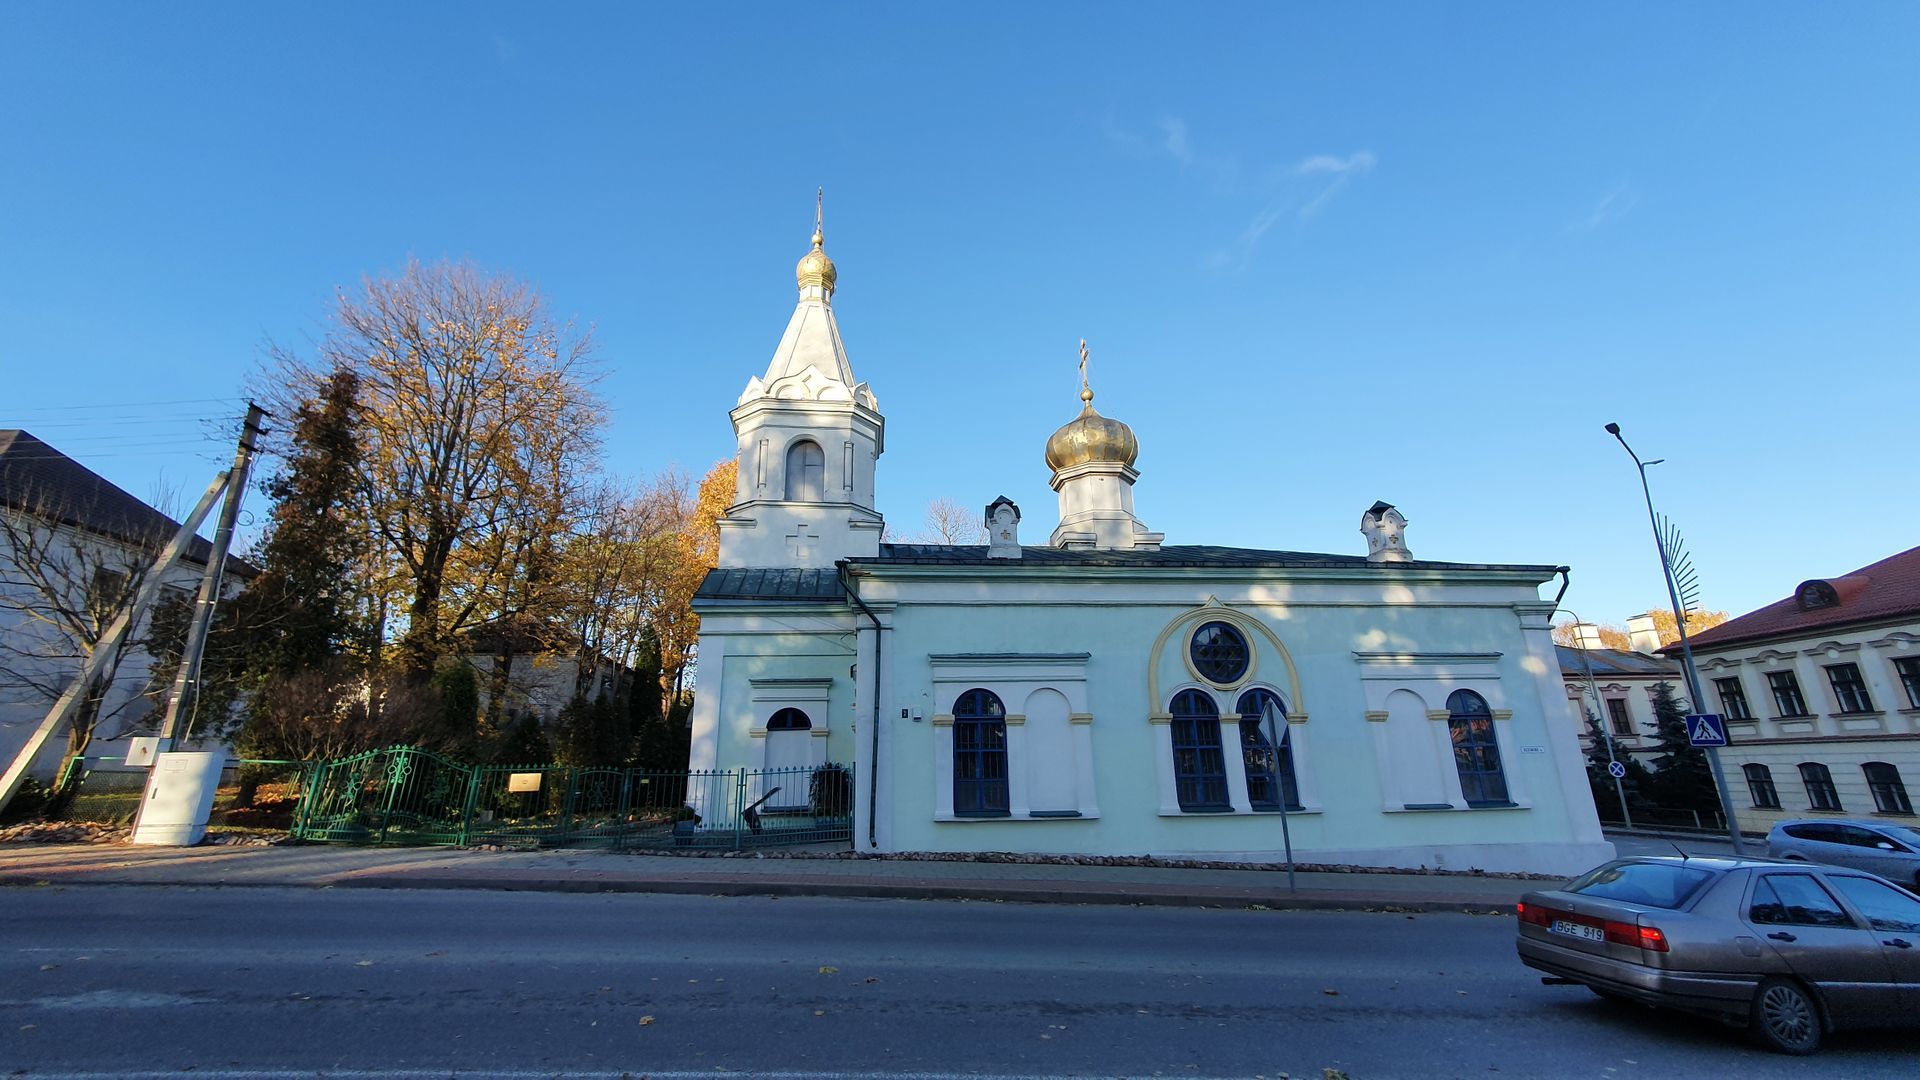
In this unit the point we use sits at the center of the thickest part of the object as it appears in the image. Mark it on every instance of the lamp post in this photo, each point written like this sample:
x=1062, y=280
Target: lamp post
x=1686, y=648
x=1593, y=688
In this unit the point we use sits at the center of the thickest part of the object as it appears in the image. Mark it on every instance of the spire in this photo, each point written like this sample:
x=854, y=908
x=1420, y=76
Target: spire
x=1086, y=392
x=815, y=269
x=1090, y=436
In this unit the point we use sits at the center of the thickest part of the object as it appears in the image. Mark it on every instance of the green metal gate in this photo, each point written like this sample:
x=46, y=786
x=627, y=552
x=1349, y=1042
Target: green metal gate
x=400, y=795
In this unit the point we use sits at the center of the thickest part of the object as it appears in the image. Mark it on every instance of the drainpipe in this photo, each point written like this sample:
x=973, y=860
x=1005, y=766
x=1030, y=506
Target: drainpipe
x=873, y=758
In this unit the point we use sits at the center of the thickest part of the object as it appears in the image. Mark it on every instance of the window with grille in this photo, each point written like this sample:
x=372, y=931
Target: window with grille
x=1219, y=653
x=1819, y=784
x=1889, y=794
x=1199, y=764
x=1909, y=669
x=1849, y=689
x=1786, y=693
x=1760, y=785
x=1476, y=753
x=1619, y=717
x=1733, y=700
x=1269, y=768
x=979, y=755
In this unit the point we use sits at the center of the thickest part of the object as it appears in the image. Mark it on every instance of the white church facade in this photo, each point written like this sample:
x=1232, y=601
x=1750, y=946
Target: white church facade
x=1105, y=692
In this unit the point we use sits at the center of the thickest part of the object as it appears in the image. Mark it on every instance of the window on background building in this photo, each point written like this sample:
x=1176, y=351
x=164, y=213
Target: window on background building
x=1849, y=690
x=806, y=472
x=1786, y=693
x=979, y=755
x=1909, y=669
x=1199, y=764
x=1219, y=653
x=1733, y=700
x=1889, y=794
x=1476, y=754
x=1819, y=782
x=1269, y=769
x=1619, y=717
x=1760, y=785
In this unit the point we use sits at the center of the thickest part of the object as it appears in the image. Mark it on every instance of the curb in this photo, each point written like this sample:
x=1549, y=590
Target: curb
x=980, y=892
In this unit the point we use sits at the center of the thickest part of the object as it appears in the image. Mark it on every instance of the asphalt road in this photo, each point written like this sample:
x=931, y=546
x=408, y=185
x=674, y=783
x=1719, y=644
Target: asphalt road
x=250, y=981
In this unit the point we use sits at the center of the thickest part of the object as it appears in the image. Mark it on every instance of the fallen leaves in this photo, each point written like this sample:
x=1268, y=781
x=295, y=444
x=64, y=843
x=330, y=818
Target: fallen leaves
x=645, y=1020
x=829, y=969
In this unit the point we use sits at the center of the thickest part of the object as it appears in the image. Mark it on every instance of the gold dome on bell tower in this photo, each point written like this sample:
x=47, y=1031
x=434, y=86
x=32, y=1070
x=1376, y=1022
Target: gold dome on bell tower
x=815, y=269
x=1091, y=437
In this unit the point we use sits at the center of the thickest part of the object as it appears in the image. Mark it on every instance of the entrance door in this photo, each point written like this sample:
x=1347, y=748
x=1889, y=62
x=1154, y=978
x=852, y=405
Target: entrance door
x=789, y=760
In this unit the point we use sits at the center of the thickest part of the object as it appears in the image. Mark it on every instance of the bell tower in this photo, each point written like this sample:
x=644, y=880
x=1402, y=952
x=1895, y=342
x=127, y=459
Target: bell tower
x=808, y=438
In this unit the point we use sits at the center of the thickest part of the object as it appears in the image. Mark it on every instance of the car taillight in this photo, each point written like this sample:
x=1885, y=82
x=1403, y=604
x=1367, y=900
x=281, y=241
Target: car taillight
x=1536, y=914
x=1639, y=937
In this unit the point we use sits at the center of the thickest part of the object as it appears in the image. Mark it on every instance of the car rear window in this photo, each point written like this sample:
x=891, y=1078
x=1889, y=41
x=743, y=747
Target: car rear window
x=1661, y=885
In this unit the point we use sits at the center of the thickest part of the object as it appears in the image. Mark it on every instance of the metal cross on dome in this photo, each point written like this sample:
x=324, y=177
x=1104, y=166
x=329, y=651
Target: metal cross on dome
x=1084, y=388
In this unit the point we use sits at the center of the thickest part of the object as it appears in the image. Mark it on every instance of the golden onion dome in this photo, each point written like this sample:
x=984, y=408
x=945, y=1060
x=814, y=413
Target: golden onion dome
x=1091, y=437
x=815, y=268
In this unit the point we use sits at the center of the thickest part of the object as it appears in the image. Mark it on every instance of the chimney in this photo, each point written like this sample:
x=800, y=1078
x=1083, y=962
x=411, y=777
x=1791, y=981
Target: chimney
x=1641, y=632
x=1587, y=636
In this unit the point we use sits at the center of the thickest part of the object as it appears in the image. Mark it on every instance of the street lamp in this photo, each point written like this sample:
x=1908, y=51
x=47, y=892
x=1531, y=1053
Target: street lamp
x=1600, y=721
x=1686, y=648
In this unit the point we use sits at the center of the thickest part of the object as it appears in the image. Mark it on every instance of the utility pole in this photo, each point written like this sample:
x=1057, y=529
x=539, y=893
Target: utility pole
x=1601, y=721
x=186, y=683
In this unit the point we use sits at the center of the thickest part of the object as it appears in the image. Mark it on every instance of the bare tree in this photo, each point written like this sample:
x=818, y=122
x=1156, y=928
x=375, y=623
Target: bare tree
x=950, y=523
x=61, y=586
x=480, y=425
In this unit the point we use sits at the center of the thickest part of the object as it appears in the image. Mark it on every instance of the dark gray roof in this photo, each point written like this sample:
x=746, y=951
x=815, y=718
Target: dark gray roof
x=1196, y=555
x=42, y=481
x=752, y=584
x=816, y=585
x=1613, y=662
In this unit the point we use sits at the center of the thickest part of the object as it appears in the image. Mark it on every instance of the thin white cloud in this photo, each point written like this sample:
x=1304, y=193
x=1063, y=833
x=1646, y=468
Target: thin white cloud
x=1173, y=139
x=1357, y=162
x=1612, y=206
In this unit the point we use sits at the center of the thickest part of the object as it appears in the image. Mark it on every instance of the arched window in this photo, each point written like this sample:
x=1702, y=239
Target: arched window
x=1476, y=755
x=1269, y=770
x=806, y=472
x=1760, y=784
x=1889, y=794
x=979, y=755
x=789, y=720
x=1199, y=765
x=1819, y=782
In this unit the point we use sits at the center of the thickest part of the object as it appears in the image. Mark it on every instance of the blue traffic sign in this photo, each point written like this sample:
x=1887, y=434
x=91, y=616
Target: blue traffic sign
x=1616, y=770
x=1706, y=729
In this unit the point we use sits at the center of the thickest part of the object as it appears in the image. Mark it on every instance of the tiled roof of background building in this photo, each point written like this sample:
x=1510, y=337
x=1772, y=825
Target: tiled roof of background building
x=1614, y=662
x=37, y=479
x=1884, y=591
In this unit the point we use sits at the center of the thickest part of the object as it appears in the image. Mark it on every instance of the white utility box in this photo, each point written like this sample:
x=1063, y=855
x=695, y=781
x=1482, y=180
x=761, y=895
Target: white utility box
x=179, y=798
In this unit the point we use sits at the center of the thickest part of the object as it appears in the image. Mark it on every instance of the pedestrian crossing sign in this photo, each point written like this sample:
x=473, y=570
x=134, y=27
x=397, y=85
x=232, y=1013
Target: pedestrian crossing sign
x=1706, y=729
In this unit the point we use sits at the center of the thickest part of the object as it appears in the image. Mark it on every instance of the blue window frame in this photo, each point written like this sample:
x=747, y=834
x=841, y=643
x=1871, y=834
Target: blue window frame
x=1219, y=653
x=1199, y=764
x=1476, y=754
x=789, y=720
x=979, y=755
x=1269, y=772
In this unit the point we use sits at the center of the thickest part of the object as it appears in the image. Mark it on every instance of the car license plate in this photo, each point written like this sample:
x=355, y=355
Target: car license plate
x=1579, y=930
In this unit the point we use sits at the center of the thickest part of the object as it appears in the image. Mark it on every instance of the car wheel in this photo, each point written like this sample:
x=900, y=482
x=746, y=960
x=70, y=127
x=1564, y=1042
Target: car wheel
x=1785, y=1019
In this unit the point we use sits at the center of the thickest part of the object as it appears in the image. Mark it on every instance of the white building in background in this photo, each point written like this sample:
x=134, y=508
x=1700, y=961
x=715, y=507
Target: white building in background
x=1821, y=692
x=1104, y=692
x=1618, y=685
x=72, y=546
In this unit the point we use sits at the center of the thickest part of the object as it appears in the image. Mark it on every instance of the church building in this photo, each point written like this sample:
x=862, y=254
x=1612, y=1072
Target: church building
x=1105, y=692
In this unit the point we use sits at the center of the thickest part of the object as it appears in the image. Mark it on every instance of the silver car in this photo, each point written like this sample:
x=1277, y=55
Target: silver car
x=1790, y=950
x=1892, y=851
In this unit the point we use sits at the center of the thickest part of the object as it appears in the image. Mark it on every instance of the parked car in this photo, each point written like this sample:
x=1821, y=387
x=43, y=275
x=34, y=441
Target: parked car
x=1892, y=851
x=1790, y=950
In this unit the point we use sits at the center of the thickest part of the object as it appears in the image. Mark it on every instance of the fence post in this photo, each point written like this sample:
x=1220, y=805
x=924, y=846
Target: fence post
x=739, y=805
x=393, y=788
x=473, y=801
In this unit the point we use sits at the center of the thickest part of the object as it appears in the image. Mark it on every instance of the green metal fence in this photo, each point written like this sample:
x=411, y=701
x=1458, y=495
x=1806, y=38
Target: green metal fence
x=406, y=795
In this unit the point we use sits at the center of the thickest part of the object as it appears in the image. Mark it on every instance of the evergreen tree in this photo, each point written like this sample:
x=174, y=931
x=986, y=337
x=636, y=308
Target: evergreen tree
x=1606, y=798
x=455, y=727
x=1681, y=779
x=525, y=743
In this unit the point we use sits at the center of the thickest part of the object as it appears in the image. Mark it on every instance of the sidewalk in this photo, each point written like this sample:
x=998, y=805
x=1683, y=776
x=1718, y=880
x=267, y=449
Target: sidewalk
x=325, y=866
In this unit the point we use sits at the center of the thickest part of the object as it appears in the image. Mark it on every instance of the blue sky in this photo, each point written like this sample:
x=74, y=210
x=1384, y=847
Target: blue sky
x=1419, y=253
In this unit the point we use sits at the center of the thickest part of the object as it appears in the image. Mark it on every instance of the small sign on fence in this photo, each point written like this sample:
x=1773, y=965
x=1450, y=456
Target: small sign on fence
x=524, y=781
